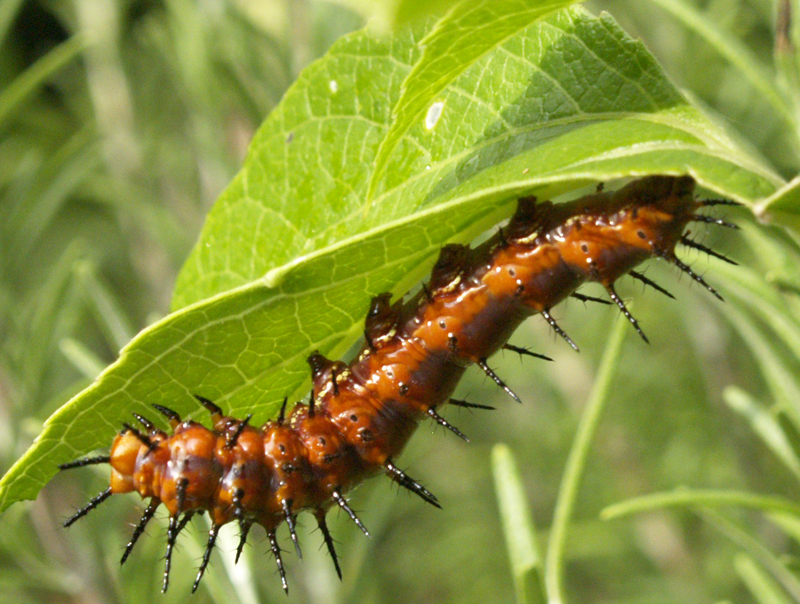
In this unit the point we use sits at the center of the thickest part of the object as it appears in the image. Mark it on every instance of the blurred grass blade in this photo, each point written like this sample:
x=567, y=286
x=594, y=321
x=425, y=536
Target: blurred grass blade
x=787, y=59
x=780, y=379
x=778, y=252
x=576, y=462
x=8, y=13
x=790, y=430
x=763, y=587
x=53, y=303
x=82, y=358
x=789, y=524
x=729, y=47
x=787, y=579
x=239, y=574
x=688, y=498
x=37, y=74
x=763, y=300
x=57, y=180
x=523, y=551
x=765, y=425
x=108, y=314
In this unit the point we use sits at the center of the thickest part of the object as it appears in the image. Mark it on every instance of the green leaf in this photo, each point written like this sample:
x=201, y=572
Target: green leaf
x=753, y=292
x=8, y=12
x=468, y=32
x=763, y=587
x=83, y=359
x=783, y=206
x=775, y=366
x=523, y=551
x=764, y=424
x=789, y=524
x=293, y=250
x=684, y=498
x=778, y=253
x=787, y=579
x=37, y=74
x=107, y=312
x=407, y=11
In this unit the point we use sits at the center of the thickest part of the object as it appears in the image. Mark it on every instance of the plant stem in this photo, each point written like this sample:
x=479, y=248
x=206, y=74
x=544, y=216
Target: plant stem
x=576, y=463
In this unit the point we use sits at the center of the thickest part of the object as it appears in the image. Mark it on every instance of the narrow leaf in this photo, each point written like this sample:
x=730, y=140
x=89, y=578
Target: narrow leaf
x=786, y=578
x=38, y=73
x=763, y=587
x=523, y=551
x=764, y=424
x=696, y=498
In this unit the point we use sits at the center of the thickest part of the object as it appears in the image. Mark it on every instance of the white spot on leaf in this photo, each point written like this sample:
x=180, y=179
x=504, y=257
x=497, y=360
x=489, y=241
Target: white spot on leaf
x=334, y=86
x=434, y=113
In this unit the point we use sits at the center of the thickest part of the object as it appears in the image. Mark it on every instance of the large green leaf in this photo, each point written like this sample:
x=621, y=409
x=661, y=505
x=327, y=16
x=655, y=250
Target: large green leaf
x=293, y=249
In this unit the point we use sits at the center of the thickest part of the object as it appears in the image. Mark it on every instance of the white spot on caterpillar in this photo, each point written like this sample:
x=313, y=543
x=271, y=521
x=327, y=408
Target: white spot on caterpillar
x=334, y=86
x=434, y=113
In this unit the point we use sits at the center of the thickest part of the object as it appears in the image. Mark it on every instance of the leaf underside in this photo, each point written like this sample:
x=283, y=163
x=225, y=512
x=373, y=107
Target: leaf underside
x=294, y=248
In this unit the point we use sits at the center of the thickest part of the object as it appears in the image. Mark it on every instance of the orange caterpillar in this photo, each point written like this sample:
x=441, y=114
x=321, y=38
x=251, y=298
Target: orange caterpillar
x=361, y=415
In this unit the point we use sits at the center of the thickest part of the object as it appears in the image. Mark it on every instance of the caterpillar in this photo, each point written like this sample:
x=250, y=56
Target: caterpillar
x=361, y=414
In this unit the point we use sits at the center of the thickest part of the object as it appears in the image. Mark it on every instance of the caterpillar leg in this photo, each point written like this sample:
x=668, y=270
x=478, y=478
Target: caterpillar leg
x=445, y=424
x=137, y=532
x=147, y=424
x=290, y=522
x=244, y=527
x=173, y=418
x=326, y=535
x=230, y=443
x=699, y=246
x=212, y=539
x=276, y=551
x=712, y=220
x=640, y=277
x=142, y=438
x=342, y=503
x=618, y=301
x=405, y=481
x=172, y=535
x=585, y=298
x=549, y=318
x=525, y=352
x=718, y=202
x=466, y=405
x=175, y=527
x=488, y=371
x=686, y=269
x=93, y=503
x=86, y=461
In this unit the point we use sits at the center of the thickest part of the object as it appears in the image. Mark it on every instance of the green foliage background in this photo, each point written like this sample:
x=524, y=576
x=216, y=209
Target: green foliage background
x=122, y=123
